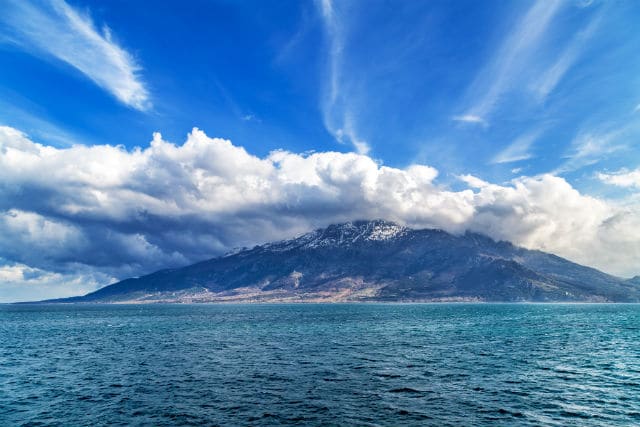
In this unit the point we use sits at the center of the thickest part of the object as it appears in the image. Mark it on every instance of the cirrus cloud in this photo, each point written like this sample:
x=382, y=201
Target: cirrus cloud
x=56, y=29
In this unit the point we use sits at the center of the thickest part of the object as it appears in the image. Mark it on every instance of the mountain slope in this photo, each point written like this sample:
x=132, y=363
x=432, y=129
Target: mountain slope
x=375, y=261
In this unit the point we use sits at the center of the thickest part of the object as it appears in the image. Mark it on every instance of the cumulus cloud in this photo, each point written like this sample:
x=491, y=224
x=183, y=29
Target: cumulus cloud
x=118, y=213
x=55, y=29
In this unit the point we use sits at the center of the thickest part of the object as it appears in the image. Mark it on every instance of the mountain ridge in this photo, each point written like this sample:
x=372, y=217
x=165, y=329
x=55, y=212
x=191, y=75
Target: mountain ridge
x=375, y=260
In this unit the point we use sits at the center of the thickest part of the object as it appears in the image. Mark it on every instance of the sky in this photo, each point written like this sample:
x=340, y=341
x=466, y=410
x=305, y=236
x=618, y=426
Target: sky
x=135, y=138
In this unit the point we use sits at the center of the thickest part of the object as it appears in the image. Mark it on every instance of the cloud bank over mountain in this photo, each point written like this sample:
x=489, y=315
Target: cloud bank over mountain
x=106, y=212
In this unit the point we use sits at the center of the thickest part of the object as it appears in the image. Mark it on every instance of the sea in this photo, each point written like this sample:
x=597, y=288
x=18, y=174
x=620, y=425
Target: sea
x=320, y=365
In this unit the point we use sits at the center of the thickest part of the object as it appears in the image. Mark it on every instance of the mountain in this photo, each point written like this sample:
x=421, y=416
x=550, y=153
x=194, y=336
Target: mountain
x=634, y=280
x=375, y=261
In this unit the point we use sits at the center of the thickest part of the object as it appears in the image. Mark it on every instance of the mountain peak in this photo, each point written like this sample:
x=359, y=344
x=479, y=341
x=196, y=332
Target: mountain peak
x=344, y=234
x=365, y=230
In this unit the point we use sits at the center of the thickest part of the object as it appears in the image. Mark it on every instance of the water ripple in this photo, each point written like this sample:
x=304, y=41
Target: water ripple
x=343, y=364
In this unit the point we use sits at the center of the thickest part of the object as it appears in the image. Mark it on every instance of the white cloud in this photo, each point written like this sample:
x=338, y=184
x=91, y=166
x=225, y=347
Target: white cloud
x=119, y=213
x=470, y=118
x=473, y=181
x=591, y=147
x=55, y=29
x=505, y=68
x=567, y=58
x=348, y=133
x=337, y=108
x=622, y=178
x=526, y=62
x=518, y=150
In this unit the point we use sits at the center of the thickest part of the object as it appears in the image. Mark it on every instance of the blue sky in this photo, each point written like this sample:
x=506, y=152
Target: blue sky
x=488, y=97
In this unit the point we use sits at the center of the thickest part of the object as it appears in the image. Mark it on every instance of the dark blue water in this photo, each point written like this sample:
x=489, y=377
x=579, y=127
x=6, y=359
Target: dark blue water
x=347, y=364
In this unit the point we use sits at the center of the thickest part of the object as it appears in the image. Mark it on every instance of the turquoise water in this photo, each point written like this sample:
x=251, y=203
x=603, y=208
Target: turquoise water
x=343, y=364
